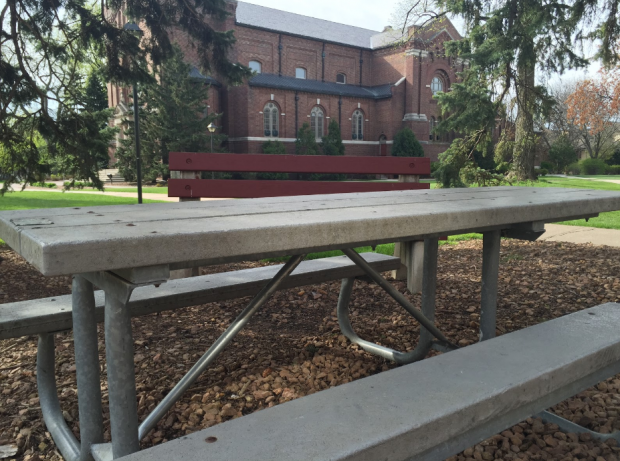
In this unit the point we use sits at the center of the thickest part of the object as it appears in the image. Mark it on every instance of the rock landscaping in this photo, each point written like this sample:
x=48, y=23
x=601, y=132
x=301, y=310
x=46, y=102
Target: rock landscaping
x=293, y=348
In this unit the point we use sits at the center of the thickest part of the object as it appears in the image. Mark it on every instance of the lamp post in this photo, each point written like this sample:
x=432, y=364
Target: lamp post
x=133, y=27
x=212, y=128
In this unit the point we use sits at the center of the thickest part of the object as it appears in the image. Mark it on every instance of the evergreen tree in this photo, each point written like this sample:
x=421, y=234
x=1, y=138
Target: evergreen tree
x=305, y=143
x=171, y=120
x=406, y=144
x=332, y=143
x=44, y=47
x=507, y=40
x=561, y=154
x=95, y=97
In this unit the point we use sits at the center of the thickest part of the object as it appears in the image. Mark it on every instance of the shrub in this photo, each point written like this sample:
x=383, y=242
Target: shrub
x=592, y=166
x=614, y=159
x=406, y=144
x=49, y=185
x=274, y=148
x=613, y=169
x=332, y=143
x=434, y=166
x=78, y=184
x=542, y=172
x=573, y=168
x=562, y=154
x=546, y=165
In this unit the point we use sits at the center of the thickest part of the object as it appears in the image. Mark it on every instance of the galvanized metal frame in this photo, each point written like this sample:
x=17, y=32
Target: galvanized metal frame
x=126, y=433
x=429, y=286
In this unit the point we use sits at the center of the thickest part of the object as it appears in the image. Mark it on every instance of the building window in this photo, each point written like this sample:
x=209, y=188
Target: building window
x=358, y=125
x=438, y=137
x=256, y=66
x=341, y=78
x=436, y=85
x=300, y=72
x=317, y=119
x=431, y=128
x=271, y=120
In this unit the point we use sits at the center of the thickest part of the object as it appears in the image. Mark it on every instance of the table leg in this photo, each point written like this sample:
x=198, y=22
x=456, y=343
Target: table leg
x=429, y=288
x=490, y=273
x=87, y=365
x=121, y=372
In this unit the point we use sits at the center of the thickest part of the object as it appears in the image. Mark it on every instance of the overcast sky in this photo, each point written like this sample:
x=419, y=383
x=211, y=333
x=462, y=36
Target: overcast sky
x=369, y=14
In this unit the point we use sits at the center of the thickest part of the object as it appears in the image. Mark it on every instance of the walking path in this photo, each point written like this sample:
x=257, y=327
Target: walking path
x=578, y=234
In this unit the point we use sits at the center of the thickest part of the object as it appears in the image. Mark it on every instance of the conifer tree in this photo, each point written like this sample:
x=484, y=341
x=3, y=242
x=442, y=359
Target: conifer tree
x=406, y=144
x=332, y=143
x=306, y=144
x=507, y=41
x=44, y=46
x=172, y=119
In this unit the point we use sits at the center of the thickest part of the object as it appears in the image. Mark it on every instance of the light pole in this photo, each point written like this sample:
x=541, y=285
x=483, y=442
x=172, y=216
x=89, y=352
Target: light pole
x=133, y=27
x=212, y=128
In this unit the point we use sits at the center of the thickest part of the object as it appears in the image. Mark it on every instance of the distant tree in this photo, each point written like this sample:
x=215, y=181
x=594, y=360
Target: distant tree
x=594, y=107
x=332, y=143
x=507, y=41
x=171, y=120
x=44, y=45
x=306, y=142
x=274, y=148
x=406, y=144
x=561, y=154
x=95, y=92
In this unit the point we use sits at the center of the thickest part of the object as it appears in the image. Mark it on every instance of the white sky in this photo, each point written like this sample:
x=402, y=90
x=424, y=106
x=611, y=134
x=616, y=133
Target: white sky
x=372, y=14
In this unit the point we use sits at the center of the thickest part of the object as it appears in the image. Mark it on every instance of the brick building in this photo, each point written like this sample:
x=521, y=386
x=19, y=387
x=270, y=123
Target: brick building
x=312, y=71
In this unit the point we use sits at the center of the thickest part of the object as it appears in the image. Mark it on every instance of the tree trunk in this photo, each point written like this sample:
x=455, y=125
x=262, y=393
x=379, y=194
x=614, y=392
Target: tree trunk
x=525, y=140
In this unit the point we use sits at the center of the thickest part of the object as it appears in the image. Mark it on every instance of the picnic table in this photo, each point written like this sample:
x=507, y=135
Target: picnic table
x=122, y=248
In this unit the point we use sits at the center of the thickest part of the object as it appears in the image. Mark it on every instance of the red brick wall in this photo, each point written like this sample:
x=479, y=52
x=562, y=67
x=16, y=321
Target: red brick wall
x=242, y=105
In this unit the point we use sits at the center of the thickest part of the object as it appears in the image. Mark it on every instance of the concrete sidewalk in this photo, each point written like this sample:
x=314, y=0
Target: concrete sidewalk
x=578, y=234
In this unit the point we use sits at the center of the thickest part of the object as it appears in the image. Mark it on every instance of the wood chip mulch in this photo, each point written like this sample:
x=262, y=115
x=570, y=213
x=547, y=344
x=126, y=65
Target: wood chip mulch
x=293, y=348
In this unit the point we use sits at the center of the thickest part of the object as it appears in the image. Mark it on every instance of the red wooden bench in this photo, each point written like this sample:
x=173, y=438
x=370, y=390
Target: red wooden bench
x=187, y=185
x=190, y=186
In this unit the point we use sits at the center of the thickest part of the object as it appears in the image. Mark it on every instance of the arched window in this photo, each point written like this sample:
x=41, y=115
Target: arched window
x=271, y=120
x=436, y=85
x=341, y=78
x=317, y=120
x=431, y=128
x=300, y=72
x=438, y=137
x=358, y=124
x=256, y=66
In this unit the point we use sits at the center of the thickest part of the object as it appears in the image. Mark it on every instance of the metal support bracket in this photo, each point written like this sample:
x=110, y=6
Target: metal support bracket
x=426, y=317
x=217, y=347
x=568, y=426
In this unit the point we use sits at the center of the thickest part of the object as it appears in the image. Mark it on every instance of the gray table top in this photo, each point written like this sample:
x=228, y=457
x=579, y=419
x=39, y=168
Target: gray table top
x=66, y=241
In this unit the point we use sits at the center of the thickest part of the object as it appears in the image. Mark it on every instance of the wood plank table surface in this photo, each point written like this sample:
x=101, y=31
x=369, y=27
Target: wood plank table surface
x=78, y=240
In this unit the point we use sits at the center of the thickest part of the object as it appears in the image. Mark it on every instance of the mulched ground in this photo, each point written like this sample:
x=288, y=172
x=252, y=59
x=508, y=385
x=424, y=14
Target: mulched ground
x=293, y=348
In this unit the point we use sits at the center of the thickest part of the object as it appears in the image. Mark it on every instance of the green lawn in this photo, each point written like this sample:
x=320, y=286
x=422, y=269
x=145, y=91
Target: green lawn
x=605, y=220
x=30, y=200
x=145, y=190
x=611, y=176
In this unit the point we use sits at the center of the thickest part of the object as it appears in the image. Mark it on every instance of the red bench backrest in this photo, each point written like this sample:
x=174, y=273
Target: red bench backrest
x=191, y=164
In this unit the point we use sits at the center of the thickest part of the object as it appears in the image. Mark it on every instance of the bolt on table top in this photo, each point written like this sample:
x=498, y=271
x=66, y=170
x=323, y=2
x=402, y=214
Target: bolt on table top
x=79, y=240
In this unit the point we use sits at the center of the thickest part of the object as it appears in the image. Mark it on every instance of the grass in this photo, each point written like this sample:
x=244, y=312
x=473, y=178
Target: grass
x=145, y=190
x=31, y=200
x=611, y=176
x=386, y=249
x=605, y=220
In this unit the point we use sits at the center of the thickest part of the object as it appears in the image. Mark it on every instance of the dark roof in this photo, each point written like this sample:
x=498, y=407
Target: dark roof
x=195, y=74
x=305, y=26
x=316, y=86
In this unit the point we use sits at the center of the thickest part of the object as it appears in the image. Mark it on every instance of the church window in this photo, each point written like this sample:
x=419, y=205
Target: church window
x=300, y=72
x=341, y=78
x=317, y=120
x=256, y=66
x=436, y=85
x=271, y=120
x=358, y=125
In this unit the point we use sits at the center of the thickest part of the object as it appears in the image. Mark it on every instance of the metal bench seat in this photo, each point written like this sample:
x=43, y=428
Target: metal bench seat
x=49, y=315
x=428, y=410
